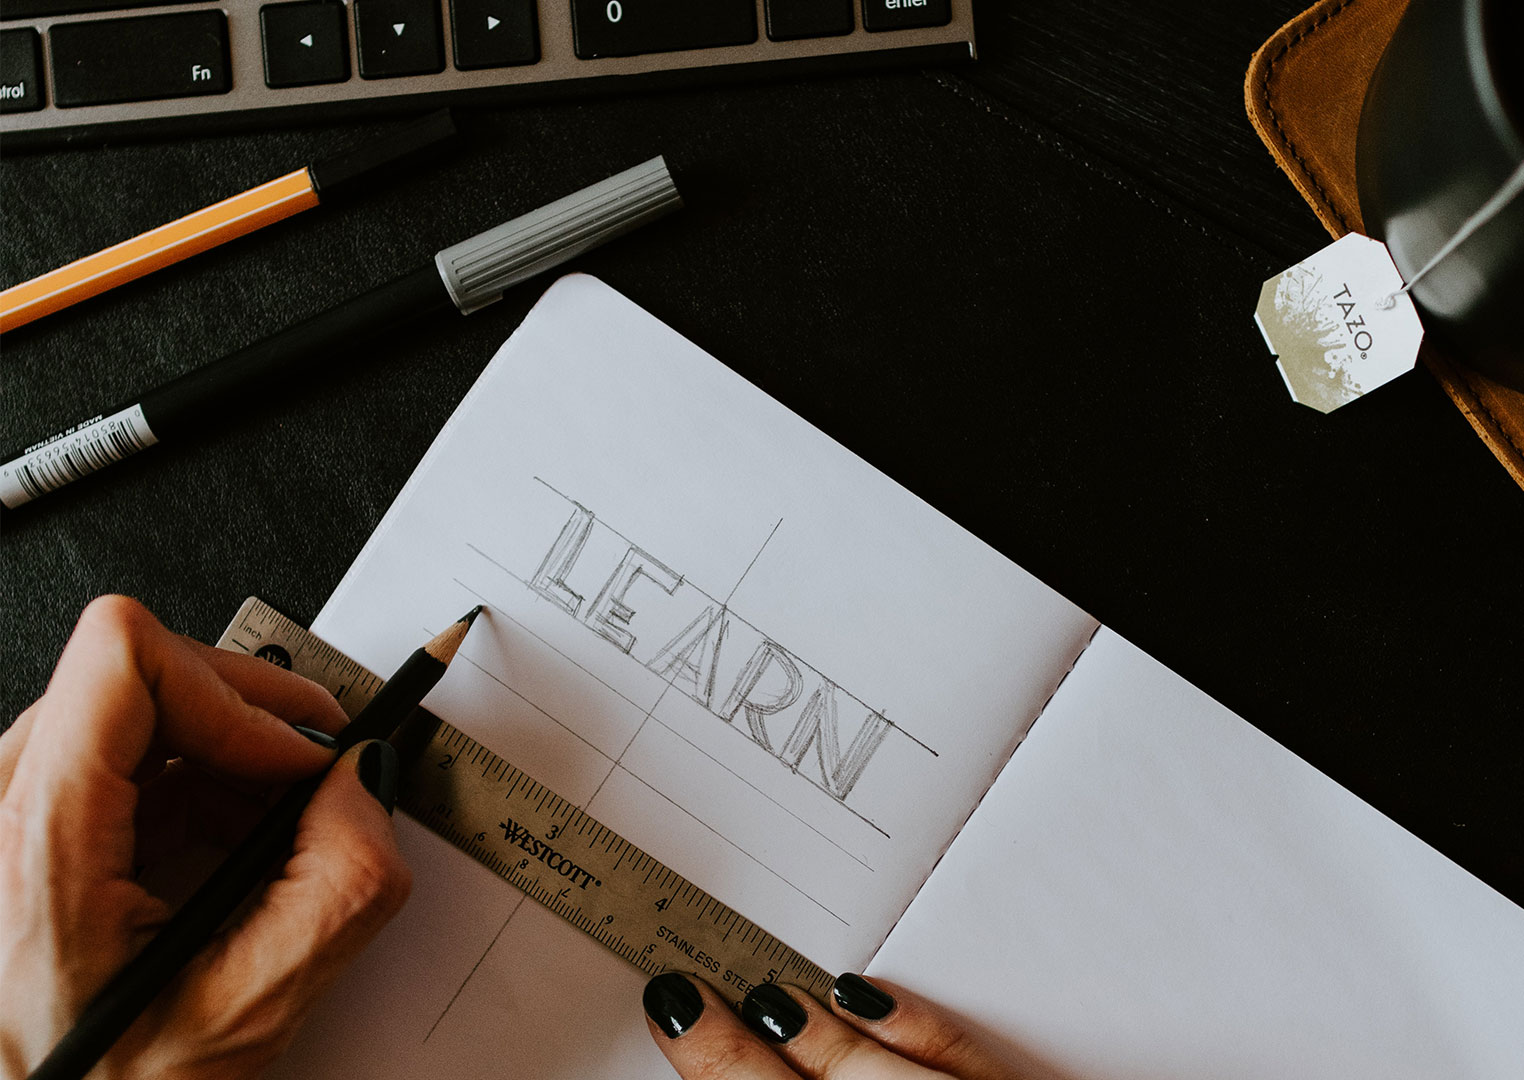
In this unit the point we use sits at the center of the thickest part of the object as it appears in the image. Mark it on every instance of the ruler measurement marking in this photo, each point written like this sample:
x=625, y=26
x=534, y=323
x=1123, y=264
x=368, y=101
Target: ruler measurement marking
x=456, y=808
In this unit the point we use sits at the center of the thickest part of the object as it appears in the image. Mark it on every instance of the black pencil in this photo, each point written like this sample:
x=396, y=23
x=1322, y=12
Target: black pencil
x=131, y=990
x=466, y=276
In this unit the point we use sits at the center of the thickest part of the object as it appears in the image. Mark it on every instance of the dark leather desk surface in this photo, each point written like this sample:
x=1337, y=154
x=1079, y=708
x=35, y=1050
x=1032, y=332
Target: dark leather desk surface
x=1022, y=288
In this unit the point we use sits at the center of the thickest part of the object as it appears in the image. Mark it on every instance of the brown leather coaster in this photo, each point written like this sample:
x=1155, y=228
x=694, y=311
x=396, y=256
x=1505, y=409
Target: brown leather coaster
x=1304, y=91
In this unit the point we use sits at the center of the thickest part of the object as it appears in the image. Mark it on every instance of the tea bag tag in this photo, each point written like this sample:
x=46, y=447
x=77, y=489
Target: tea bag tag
x=1339, y=323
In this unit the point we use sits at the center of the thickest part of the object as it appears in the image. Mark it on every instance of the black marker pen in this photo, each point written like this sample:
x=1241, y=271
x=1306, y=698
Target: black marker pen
x=468, y=276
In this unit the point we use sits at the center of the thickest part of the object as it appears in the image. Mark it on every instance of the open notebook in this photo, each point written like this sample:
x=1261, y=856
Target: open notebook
x=796, y=684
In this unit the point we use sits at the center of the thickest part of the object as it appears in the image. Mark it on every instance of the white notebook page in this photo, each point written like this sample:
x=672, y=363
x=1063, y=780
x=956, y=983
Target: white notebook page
x=1153, y=888
x=723, y=635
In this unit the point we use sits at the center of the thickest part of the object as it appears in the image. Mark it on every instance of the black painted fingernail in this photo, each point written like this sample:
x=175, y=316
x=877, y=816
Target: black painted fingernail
x=325, y=741
x=861, y=998
x=673, y=1003
x=771, y=1013
x=378, y=771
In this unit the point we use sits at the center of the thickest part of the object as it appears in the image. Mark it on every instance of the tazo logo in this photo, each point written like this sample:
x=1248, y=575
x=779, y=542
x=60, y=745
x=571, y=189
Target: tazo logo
x=1362, y=340
x=515, y=833
x=1324, y=340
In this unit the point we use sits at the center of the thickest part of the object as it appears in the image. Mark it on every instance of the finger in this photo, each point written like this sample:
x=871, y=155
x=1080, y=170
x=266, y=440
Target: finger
x=298, y=700
x=816, y=1043
x=245, y=996
x=153, y=768
x=701, y=1037
x=274, y=689
x=915, y=1029
x=11, y=742
x=123, y=680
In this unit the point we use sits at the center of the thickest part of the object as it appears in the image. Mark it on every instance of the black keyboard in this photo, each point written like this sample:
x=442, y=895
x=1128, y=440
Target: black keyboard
x=84, y=68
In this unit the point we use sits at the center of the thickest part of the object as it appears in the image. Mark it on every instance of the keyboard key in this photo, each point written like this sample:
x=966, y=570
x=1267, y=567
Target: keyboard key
x=791, y=19
x=398, y=37
x=20, y=71
x=905, y=14
x=629, y=27
x=305, y=43
x=493, y=33
x=26, y=9
x=139, y=59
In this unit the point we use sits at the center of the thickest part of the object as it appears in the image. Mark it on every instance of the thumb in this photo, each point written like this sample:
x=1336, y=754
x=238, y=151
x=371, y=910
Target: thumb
x=246, y=996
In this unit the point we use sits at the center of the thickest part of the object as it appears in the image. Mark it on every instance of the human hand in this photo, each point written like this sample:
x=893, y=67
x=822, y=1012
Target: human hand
x=89, y=794
x=873, y=1031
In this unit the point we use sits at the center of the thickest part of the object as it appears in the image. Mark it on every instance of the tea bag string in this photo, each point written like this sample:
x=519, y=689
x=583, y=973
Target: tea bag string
x=1485, y=213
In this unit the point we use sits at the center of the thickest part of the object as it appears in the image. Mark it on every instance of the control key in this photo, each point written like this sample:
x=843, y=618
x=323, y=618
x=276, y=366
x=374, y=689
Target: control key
x=20, y=70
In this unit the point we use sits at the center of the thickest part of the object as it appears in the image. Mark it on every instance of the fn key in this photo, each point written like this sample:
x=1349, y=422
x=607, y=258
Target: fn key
x=138, y=59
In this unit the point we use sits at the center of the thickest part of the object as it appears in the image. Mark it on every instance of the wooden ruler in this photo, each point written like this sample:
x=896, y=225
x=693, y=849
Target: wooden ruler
x=539, y=842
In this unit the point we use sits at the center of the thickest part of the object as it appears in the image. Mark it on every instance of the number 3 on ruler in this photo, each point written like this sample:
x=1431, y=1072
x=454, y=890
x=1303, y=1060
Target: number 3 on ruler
x=615, y=11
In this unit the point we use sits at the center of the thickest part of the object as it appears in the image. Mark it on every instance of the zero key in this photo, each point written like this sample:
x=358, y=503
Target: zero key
x=151, y=56
x=631, y=27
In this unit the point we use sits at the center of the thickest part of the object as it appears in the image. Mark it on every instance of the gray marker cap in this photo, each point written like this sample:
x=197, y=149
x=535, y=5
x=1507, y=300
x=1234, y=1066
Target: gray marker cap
x=478, y=270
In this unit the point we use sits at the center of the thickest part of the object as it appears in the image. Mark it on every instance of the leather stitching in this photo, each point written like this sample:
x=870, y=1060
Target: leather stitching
x=1275, y=118
x=1503, y=432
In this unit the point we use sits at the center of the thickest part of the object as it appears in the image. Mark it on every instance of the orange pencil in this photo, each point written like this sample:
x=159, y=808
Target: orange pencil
x=213, y=225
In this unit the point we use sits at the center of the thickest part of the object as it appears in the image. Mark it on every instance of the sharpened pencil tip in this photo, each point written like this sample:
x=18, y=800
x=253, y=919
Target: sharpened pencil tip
x=445, y=645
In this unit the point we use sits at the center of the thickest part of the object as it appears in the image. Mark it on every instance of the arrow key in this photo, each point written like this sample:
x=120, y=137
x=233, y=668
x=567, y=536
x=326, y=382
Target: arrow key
x=493, y=33
x=305, y=43
x=398, y=37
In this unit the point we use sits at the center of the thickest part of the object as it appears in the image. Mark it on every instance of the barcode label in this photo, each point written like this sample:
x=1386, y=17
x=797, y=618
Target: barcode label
x=76, y=453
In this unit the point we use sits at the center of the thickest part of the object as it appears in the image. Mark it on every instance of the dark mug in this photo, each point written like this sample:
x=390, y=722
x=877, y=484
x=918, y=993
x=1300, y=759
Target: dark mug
x=1441, y=132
